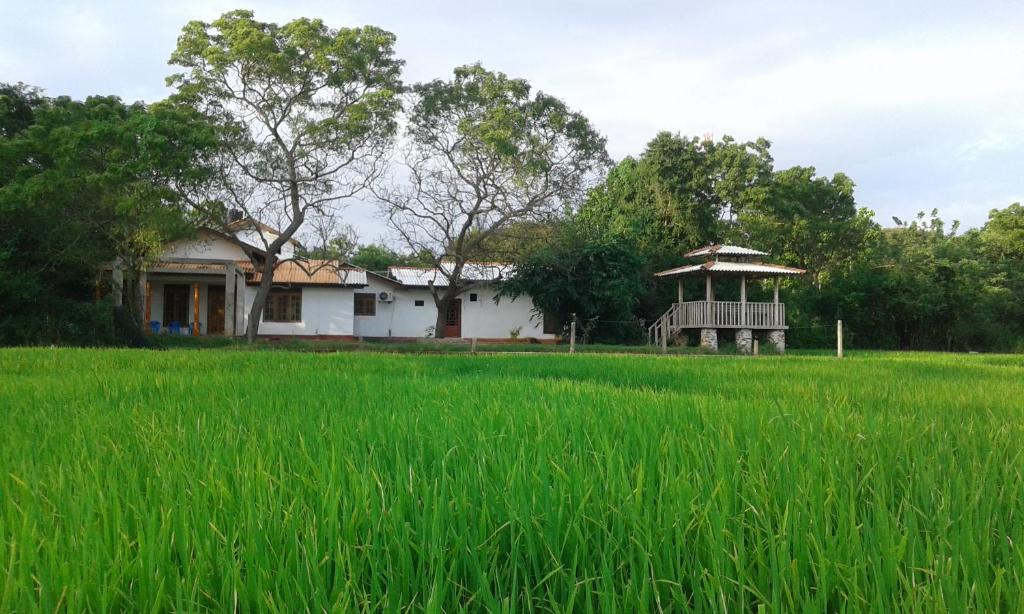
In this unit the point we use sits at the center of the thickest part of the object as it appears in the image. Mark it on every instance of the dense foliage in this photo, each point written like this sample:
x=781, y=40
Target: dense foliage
x=186, y=481
x=83, y=183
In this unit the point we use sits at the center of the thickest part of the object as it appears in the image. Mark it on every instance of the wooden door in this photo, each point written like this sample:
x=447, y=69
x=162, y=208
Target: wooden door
x=453, y=319
x=215, y=310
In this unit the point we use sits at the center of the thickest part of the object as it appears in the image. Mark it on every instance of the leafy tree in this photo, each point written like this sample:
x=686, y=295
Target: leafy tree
x=378, y=257
x=586, y=275
x=681, y=193
x=483, y=153
x=306, y=114
x=807, y=221
x=84, y=183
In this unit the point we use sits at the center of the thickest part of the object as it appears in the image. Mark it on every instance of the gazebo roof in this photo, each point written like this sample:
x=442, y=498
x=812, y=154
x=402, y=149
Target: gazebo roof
x=723, y=250
x=751, y=268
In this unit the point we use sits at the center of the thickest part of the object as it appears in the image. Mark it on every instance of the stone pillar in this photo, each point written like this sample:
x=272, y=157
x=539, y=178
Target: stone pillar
x=709, y=339
x=744, y=341
x=777, y=339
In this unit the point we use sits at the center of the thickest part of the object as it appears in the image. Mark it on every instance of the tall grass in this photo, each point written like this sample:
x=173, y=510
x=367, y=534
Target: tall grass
x=279, y=481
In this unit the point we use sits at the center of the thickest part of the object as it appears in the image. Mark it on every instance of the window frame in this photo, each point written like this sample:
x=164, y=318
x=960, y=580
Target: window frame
x=289, y=301
x=364, y=298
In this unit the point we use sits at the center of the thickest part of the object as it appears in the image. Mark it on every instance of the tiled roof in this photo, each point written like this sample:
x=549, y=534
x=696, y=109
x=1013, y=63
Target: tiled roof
x=754, y=268
x=310, y=272
x=724, y=250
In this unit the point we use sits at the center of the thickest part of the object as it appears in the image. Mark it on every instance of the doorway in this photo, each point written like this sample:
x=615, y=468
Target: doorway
x=215, y=310
x=453, y=319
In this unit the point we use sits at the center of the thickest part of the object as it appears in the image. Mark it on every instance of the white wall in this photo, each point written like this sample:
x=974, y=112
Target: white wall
x=206, y=246
x=325, y=311
x=481, y=318
x=256, y=239
x=489, y=320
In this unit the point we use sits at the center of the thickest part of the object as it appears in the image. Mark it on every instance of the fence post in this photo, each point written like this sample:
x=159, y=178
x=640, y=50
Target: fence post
x=839, y=338
x=756, y=348
x=472, y=346
x=572, y=335
x=664, y=337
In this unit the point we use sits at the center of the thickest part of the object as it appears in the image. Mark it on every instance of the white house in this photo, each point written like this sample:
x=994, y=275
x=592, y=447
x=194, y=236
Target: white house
x=206, y=286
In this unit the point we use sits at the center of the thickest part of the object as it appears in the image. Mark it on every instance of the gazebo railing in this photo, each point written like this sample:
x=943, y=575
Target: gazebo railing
x=718, y=314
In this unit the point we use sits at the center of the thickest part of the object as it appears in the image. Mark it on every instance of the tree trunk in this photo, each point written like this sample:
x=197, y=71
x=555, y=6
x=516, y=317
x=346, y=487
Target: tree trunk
x=260, y=300
x=442, y=312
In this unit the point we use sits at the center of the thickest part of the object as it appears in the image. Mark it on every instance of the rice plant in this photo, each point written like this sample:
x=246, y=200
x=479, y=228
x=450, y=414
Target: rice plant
x=280, y=481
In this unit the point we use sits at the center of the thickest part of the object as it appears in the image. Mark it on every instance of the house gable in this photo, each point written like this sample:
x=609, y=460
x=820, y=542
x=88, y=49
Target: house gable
x=206, y=245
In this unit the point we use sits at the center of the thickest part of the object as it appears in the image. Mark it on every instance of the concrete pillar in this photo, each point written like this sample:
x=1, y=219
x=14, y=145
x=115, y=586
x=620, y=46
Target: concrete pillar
x=240, y=303
x=777, y=339
x=744, y=341
x=709, y=289
x=776, y=290
x=709, y=339
x=230, y=275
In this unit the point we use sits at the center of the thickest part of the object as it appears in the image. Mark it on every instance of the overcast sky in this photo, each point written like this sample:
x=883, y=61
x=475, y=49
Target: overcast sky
x=921, y=103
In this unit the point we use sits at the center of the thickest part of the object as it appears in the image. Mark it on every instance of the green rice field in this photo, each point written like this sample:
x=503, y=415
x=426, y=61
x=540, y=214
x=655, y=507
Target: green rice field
x=226, y=480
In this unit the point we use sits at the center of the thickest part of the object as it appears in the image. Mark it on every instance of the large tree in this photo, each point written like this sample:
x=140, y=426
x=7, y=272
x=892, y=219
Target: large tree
x=680, y=193
x=306, y=114
x=807, y=221
x=483, y=153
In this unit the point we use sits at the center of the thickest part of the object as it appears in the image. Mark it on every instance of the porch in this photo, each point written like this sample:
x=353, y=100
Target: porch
x=190, y=297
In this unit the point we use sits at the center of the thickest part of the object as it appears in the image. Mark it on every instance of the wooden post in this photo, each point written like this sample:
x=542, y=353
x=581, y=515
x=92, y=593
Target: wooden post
x=743, y=299
x=196, y=309
x=776, y=290
x=472, y=346
x=709, y=290
x=839, y=338
x=757, y=349
x=572, y=335
x=680, y=291
x=664, y=337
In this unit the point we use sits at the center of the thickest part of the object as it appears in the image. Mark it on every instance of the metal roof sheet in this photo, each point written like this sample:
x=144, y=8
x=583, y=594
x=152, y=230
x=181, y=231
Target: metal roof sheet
x=471, y=271
x=724, y=250
x=756, y=268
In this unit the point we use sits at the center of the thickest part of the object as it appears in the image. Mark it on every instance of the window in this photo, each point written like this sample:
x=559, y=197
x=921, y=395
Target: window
x=366, y=304
x=551, y=325
x=283, y=306
x=419, y=302
x=472, y=297
x=176, y=304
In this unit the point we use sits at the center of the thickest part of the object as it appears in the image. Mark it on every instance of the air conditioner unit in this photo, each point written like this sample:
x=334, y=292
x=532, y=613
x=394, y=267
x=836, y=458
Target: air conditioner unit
x=386, y=297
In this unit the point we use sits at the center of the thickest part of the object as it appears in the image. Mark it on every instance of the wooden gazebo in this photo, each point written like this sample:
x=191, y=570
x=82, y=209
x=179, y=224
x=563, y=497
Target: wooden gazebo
x=708, y=315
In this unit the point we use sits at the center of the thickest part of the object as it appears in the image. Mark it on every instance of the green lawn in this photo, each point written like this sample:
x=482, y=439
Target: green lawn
x=222, y=479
